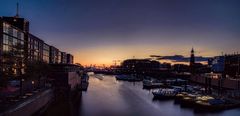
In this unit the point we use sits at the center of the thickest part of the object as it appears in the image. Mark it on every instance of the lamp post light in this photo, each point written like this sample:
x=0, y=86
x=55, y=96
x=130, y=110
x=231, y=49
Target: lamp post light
x=33, y=84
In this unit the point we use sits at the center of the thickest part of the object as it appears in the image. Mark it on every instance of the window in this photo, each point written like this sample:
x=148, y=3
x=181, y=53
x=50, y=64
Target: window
x=15, y=33
x=5, y=39
x=22, y=42
x=10, y=41
x=6, y=48
x=14, y=42
x=5, y=27
x=10, y=30
x=20, y=35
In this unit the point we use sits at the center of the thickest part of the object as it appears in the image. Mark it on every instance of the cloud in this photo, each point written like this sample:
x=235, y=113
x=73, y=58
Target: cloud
x=180, y=58
x=155, y=56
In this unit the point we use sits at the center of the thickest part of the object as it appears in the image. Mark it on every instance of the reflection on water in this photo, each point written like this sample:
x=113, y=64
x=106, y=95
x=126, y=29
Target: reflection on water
x=108, y=97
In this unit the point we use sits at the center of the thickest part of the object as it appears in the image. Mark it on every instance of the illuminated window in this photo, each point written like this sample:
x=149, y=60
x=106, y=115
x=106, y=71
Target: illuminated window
x=5, y=27
x=10, y=30
x=5, y=39
x=20, y=35
x=15, y=33
x=15, y=42
x=6, y=48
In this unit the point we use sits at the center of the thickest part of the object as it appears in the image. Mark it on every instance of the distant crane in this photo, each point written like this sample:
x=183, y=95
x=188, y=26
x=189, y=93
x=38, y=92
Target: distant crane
x=115, y=62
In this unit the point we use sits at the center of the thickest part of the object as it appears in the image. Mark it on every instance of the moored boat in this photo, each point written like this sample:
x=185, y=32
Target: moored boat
x=122, y=77
x=179, y=96
x=152, y=83
x=188, y=100
x=128, y=78
x=208, y=103
x=164, y=93
x=84, y=82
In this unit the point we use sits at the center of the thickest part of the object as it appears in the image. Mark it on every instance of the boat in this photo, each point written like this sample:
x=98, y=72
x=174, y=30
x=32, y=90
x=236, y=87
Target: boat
x=179, y=96
x=152, y=83
x=188, y=100
x=178, y=82
x=84, y=82
x=130, y=78
x=133, y=78
x=164, y=93
x=122, y=77
x=208, y=103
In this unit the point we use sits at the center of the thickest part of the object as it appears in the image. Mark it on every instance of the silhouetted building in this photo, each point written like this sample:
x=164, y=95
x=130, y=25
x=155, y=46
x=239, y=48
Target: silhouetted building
x=197, y=68
x=140, y=66
x=210, y=62
x=218, y=63
x=180, y=68
x=192, y=62
x=69, y=59
x=63, y=57
x=165, y=66
x=200, y=68
x=232, y=63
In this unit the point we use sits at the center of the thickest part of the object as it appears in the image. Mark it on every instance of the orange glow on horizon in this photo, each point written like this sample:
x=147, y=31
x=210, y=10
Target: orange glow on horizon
x=106, y=55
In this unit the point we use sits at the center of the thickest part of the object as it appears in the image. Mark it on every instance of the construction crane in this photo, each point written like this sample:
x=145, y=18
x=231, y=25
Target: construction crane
x=115, y=62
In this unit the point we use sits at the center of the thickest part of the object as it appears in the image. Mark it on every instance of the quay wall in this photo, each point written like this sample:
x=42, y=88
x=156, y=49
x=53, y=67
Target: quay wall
x=32, y=105
x=224, y=83
x=74, y=79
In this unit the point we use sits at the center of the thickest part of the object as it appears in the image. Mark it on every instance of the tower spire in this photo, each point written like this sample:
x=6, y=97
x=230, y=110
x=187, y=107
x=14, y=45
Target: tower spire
x=192, y=62
x=17, y=12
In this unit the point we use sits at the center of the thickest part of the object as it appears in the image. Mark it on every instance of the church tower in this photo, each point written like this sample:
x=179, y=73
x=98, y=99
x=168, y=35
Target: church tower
x=192, y=62
x=192, y=58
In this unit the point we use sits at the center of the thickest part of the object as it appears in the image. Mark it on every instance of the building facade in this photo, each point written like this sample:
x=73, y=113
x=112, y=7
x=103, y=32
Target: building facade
x=217, y=64
x=18, y=46
x=69, y=59
x=46, y=53
x=232, y=65
x=53, y=55
x=11, y=47
x=35, y=48
x=140, y=66
x=63, y=58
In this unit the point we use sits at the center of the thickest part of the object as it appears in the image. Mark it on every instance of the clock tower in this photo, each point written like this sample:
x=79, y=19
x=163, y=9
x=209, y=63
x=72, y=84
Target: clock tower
x=192, y=62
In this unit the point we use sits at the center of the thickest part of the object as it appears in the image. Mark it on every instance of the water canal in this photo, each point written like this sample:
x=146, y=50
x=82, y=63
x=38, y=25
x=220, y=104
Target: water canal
x=108, y=97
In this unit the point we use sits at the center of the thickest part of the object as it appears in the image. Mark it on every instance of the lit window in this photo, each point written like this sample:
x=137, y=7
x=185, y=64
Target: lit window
x=5, y=48
x=15, y=33
x=5, y=27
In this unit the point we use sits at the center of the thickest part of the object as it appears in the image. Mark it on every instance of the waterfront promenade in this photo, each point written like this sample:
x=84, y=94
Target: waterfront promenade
x=31, y=105
x=107, y=96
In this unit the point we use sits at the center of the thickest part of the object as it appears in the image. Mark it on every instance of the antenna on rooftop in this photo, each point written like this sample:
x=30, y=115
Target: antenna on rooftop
x=17, y=10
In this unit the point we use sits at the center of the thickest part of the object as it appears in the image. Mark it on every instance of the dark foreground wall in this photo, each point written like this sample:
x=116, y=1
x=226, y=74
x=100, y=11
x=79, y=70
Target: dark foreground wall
x=31, y=105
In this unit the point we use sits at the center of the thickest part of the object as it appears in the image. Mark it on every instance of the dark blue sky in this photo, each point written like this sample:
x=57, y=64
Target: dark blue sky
x=99, y=31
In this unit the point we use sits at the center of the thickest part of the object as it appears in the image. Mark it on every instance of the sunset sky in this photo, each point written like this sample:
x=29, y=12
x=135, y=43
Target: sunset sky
x=100, y=31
